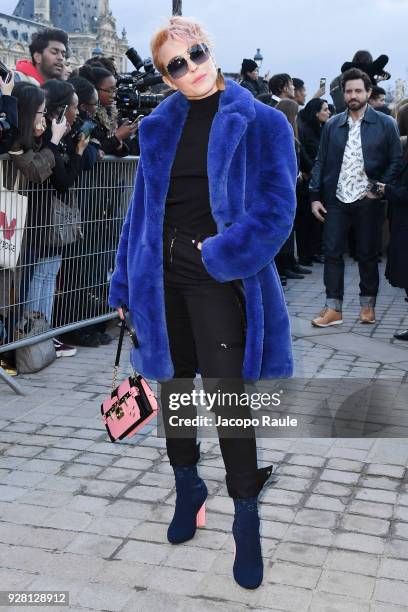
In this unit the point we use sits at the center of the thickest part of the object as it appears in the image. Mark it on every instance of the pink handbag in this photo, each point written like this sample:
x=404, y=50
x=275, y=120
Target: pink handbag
x=132, y=404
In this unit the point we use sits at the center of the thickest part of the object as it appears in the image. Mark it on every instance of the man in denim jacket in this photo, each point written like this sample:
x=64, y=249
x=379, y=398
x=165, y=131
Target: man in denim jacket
x=358, y=148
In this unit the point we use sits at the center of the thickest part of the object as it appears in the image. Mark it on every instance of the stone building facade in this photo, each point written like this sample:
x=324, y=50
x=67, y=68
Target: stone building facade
x=89, y=23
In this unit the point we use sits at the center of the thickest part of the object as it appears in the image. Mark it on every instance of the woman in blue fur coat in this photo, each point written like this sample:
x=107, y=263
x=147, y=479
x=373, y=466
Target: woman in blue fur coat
x=214, y=200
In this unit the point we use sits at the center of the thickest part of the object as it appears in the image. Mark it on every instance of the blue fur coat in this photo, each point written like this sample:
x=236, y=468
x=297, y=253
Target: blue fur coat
x=252, y=177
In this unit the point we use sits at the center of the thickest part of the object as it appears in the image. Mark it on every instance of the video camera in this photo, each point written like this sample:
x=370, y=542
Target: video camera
x=131, y=99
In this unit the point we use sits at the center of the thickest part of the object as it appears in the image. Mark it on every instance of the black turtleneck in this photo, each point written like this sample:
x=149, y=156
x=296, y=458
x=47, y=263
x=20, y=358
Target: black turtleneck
x=188, y=202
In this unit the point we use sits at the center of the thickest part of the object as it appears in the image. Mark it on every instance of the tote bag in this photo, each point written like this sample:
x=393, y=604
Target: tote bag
x=13, y=212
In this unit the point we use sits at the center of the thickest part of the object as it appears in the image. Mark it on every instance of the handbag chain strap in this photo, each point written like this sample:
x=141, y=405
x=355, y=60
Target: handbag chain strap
x=118, y=352
x=132, y=334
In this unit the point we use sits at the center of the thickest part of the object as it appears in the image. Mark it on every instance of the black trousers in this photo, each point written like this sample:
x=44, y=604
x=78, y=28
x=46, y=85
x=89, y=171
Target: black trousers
x=206, y=327
x=363, y=216
x=309, y=231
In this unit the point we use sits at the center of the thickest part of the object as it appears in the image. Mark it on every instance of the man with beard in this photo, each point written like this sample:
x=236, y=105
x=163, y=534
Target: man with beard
x=48, y=50
x=356, y=148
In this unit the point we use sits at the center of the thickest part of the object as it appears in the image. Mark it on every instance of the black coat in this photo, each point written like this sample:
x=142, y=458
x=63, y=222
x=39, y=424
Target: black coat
x=255, y=87
x=310, y=140
x=397, y=195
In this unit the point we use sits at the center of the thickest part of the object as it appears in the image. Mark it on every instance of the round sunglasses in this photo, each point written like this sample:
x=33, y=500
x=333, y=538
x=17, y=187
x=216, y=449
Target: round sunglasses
x=178, y=67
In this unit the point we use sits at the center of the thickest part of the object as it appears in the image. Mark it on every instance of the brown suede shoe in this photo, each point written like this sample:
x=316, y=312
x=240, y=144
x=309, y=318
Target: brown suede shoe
x=327, y=317
x=367, y=314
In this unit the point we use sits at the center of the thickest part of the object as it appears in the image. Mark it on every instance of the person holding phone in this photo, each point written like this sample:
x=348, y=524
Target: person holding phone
x=112, y=136
x=52, y=155
x=196, y=272
x=33, y=157
x=8, y=110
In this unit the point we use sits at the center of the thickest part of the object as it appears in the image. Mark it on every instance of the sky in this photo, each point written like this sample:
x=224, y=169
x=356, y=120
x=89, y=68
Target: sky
x=308, y=39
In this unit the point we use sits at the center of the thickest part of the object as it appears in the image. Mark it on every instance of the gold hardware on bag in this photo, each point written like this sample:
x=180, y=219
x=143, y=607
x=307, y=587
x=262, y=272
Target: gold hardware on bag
x=119, y=412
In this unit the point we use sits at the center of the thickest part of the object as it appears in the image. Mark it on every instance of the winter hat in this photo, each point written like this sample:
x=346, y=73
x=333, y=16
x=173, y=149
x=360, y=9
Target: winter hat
x=248, y=65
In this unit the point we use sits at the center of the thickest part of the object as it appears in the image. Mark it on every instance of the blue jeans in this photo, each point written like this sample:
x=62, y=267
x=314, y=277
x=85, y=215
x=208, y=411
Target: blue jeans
x=40, y=297
x=363, y=215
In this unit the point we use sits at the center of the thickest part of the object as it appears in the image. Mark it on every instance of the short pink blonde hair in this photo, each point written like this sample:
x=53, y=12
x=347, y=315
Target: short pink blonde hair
x=180, y=28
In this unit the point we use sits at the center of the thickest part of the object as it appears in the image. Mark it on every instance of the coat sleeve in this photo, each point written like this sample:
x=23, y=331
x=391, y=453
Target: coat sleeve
x=119, y=286
x=36, y=166
x=248, y=245
x=394, y=153
x=316, y=179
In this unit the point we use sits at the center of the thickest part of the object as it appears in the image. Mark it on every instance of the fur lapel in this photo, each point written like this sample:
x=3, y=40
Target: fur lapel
x=160, y=133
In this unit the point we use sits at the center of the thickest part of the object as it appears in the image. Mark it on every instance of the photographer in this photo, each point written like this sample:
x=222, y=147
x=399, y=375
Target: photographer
x=8, y=114
x=111, y=136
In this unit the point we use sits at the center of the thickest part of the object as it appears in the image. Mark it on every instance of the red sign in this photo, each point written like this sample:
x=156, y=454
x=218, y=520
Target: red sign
x=8, y=228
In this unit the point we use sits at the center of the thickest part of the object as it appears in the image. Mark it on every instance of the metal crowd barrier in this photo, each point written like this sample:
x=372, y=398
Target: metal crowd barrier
x=57, y=252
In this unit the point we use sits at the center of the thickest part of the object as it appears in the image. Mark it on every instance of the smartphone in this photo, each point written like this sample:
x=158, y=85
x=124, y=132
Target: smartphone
x=137, y=120
x=86, y=128
x=323, y=83
x=62, y=114
x=5, y=73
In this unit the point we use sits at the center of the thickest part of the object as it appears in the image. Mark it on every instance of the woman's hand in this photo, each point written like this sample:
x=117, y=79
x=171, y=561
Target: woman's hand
x=40, y=127
x=7, y=88
x=121, y=314
x=58, y=130
x=82, y=144
x=125, y=130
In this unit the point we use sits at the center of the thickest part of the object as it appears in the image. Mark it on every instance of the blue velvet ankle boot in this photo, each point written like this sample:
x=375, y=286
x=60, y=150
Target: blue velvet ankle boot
x=248, y=565
x=244, y=488
x=189, y=512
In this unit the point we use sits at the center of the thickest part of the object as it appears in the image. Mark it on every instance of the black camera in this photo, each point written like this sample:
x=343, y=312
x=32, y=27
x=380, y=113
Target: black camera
x=133, y=96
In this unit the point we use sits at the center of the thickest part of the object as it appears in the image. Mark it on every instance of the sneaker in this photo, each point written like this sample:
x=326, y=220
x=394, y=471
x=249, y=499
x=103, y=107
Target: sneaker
x=327, y=317
x=367, y=314
x=64, y=350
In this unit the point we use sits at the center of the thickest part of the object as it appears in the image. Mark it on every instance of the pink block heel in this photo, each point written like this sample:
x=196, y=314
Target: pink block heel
x=200, y=520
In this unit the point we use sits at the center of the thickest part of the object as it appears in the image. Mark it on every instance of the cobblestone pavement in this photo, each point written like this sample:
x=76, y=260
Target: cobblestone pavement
x=80, y=514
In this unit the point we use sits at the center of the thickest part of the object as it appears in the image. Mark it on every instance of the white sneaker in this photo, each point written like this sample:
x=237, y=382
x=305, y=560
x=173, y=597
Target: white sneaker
x=64, y=350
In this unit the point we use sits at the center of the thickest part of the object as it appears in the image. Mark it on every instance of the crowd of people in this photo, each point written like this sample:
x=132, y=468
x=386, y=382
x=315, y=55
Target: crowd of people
x=352, y=176
x=347, y=172
x=44, y=105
